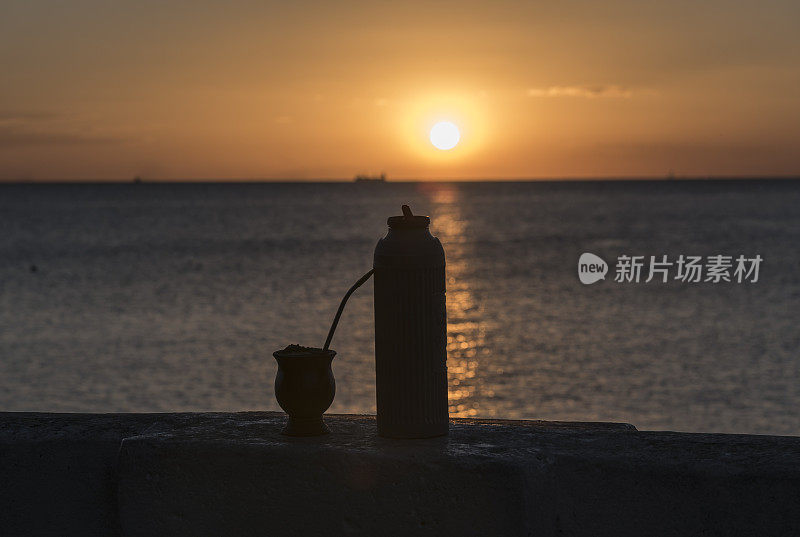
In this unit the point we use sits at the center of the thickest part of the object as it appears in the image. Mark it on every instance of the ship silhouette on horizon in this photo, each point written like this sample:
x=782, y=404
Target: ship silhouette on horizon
x=363, y=178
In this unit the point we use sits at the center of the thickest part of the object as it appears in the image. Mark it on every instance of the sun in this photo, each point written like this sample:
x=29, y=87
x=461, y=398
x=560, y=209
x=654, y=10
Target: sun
x=445, y=135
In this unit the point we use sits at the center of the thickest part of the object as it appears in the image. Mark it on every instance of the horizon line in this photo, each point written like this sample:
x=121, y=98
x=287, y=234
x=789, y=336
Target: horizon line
x=209, y=180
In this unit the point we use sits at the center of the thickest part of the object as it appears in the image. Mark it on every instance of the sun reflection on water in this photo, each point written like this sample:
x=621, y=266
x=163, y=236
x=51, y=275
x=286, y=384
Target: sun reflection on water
x=466, y=331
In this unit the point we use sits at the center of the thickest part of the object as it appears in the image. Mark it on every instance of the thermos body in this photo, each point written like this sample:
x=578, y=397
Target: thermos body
x=410, y=331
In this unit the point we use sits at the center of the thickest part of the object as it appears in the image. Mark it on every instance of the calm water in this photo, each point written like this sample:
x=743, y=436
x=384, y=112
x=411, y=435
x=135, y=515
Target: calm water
x=173, y=297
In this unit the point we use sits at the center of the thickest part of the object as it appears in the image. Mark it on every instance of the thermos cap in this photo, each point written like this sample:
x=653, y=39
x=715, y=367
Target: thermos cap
x=408, y=220
x=404, y=222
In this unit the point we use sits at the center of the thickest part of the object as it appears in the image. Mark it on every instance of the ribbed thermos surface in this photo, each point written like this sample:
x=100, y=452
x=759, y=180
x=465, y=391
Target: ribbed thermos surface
x=411, y=346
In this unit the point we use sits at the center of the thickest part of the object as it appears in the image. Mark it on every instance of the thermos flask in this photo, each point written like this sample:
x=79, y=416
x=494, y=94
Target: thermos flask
x=410, y=330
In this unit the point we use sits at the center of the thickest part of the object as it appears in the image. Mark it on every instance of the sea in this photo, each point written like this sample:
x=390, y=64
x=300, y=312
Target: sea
x=172, y=297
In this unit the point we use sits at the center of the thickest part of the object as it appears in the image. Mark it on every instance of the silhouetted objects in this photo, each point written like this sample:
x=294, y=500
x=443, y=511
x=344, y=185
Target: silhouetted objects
x=410, y=342
x=410, y=330
x=304, y=388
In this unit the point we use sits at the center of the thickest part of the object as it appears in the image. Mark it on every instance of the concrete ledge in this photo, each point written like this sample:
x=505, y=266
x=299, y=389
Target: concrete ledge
x=234, y=474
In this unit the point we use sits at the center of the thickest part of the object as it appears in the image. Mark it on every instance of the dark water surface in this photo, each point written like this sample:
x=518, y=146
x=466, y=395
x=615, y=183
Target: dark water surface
x=173, y=297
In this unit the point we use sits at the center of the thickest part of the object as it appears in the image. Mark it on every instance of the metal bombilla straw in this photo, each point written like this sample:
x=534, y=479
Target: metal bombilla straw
x=356, y=285
x=406, y=213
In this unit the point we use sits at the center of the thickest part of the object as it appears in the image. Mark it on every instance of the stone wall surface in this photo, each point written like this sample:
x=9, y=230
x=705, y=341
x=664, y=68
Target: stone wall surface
x=218, y=474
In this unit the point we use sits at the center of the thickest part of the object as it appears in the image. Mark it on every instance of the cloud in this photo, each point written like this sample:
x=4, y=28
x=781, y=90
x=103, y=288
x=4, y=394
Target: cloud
x=14, y=137
x=25, y=128
x=12, y=116
x=586, y=92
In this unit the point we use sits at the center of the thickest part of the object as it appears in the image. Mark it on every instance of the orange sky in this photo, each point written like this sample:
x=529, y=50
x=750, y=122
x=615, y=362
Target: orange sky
x=322, y=90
